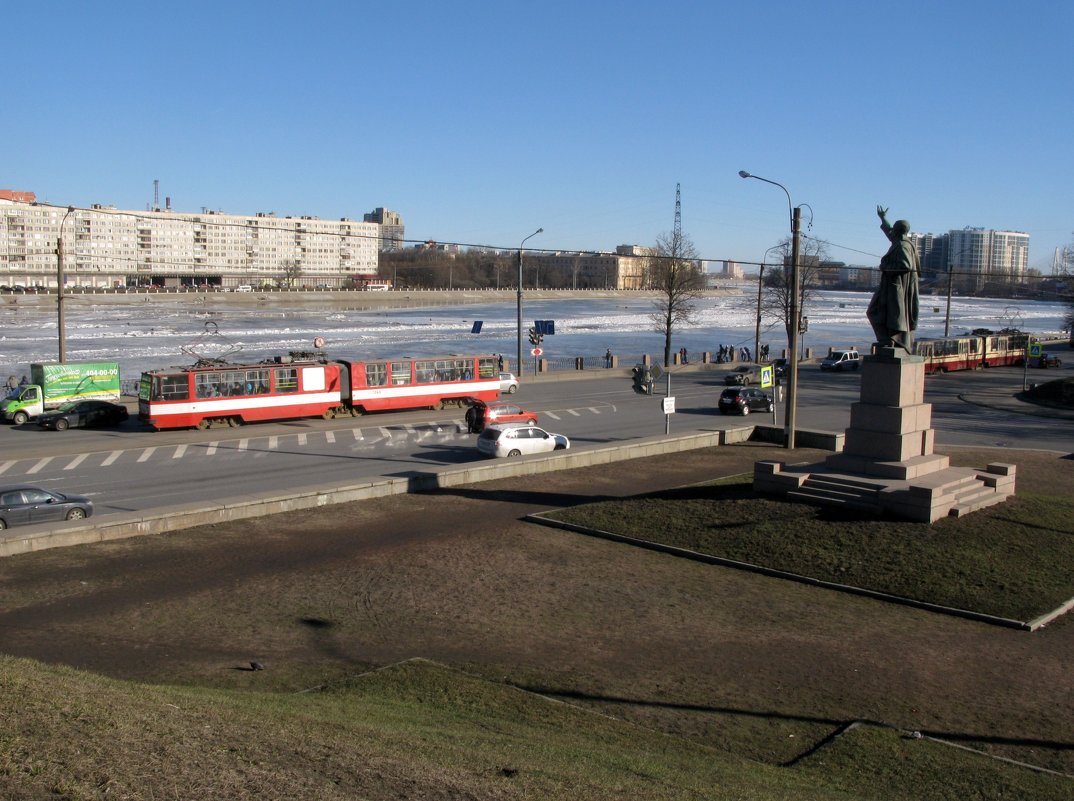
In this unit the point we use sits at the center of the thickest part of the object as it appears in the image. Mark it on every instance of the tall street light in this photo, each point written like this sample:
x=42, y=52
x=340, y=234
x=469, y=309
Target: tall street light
x=793, y=321
x=518, y=364
x=59, y=288
x=760, y=289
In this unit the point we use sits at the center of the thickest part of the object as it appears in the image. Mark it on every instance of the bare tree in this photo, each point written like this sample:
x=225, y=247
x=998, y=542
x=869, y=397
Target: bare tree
x=292, y=270
x=675, y=273
x=776, y=296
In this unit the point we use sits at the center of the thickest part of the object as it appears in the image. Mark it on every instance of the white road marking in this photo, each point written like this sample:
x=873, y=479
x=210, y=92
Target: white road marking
x=146, y=454
x=76, y=461
x=111, y=458
x=40, y=465
x=211, y=449
x=4, y=467
x=330, y=436
x=179, y=452
x=273, y=443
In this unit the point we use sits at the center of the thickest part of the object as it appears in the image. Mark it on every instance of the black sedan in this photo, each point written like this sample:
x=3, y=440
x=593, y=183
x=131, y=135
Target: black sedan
x=744, y=400
x=20, y=506
x=83, y=414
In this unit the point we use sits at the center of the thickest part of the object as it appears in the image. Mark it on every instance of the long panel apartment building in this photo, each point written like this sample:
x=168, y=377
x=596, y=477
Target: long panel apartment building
x=105, y=247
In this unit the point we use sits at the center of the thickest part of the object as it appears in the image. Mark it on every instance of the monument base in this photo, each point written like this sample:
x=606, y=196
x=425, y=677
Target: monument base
x=887, y=465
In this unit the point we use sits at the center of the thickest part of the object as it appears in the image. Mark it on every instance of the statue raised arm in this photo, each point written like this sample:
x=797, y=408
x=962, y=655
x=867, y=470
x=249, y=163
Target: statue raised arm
x=893, y=310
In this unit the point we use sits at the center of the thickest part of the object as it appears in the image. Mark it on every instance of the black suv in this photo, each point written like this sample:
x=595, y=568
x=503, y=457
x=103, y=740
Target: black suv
x=743, y=400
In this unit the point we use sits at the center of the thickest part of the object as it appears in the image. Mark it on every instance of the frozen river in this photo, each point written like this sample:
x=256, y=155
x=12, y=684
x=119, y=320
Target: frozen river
x=146, y=335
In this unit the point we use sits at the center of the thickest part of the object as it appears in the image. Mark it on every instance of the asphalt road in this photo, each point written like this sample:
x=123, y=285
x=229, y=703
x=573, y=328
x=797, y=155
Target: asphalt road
x=131, y=468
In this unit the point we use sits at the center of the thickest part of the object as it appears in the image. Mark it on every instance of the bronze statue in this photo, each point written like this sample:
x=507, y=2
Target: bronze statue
x=893, y=310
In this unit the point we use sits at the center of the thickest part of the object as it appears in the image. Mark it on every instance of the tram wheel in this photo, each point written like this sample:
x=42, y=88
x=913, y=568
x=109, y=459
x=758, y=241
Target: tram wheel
x=202, y=424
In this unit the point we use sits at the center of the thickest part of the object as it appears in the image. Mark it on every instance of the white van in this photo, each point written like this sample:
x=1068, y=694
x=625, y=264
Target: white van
x=244, y=288
x=841, y=360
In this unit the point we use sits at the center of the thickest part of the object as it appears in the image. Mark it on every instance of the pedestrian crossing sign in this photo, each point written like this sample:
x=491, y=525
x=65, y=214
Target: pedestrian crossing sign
x=766, y=376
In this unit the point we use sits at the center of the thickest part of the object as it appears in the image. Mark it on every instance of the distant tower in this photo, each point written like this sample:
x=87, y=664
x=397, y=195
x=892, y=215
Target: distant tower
x=156, y=194
x=677, y=231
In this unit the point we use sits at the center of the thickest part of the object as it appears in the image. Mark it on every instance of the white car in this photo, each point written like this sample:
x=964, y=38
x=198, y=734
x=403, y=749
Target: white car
x=518, y=440
x=508, y=383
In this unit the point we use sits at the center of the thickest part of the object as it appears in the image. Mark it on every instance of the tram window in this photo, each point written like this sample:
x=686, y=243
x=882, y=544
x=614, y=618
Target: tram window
x=173, y=387
x=207, y=385
x=376, y=375
x=425, y=372
x=286, y=379
x=400, y=373
x=487, y=367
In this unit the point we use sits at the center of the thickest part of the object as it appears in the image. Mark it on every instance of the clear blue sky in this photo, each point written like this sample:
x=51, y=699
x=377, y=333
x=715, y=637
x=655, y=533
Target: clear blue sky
x=483, y=121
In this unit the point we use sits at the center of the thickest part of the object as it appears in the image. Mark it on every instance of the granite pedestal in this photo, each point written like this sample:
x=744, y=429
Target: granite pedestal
x=887, y=464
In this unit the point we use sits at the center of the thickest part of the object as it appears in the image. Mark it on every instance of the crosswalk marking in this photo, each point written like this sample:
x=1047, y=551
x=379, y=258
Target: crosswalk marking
x=416, y=432
x=39, y=466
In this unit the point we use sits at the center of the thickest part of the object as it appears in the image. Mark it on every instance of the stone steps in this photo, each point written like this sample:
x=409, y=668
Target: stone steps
x=833, y=490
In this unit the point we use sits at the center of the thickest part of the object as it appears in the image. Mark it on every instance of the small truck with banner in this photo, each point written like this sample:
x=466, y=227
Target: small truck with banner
x=53, y=385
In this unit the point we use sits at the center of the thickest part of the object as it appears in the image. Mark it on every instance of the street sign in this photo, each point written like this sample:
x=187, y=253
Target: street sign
x=669, y=405
x=766, y=377
x=536, y=351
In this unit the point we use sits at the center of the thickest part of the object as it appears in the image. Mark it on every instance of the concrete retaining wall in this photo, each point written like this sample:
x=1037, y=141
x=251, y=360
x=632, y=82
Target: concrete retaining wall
x=174, y=518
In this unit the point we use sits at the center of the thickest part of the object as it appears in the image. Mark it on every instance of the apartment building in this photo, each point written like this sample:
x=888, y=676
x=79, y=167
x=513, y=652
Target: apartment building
x=974, y=257
x=103, y=247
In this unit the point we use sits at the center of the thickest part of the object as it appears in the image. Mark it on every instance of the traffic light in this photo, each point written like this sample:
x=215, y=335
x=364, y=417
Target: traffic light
x=535, y=337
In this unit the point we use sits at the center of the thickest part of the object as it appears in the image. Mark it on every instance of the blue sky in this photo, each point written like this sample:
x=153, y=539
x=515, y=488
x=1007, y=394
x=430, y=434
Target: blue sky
x=483, y=121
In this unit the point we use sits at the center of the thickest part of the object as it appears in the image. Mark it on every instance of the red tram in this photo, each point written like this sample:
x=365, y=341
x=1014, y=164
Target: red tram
x=971, y=352
x=291, y=387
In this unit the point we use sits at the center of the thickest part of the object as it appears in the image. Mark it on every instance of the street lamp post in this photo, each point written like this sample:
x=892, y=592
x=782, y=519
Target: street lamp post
x=760, y=289
x=59, y=288
x=793, y=321
x=518, y=364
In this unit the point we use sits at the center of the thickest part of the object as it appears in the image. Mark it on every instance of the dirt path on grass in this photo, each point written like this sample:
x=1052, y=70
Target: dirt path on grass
x=757, y=666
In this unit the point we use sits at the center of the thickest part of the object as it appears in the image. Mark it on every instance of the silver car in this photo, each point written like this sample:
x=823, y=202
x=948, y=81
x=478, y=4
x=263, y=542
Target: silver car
x=499, y=441
x=508, y=383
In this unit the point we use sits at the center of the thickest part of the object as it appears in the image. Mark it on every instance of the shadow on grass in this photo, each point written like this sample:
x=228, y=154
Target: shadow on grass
x=964, y=737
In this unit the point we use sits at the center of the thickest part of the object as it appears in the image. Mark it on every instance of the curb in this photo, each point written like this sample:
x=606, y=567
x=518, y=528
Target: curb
x=162, y=520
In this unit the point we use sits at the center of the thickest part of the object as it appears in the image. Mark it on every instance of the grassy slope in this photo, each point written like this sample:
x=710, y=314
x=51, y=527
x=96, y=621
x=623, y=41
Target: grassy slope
x=418, y=730
x=1012, y=560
